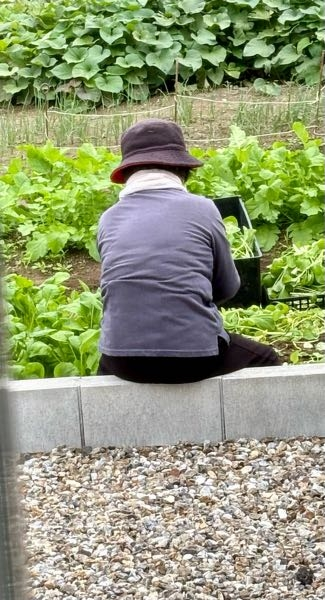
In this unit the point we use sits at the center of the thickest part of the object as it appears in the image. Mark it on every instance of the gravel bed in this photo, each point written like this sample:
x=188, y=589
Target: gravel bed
x=231, y=521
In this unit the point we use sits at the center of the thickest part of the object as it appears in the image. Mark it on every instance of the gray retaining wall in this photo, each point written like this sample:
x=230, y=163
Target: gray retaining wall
x=286, y=401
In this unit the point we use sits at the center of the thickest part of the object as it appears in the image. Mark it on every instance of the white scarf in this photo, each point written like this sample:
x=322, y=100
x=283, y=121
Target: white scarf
x=151, y=179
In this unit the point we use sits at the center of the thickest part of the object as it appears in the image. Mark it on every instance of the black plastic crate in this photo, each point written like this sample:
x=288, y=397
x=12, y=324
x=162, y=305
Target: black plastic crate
x=249, y=269
x=300, y=302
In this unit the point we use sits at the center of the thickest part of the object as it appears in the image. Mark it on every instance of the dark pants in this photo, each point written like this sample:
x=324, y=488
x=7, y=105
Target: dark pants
x=242, y=352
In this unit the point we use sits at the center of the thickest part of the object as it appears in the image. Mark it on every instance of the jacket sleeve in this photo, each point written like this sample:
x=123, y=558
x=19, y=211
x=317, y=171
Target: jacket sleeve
x=225, y=277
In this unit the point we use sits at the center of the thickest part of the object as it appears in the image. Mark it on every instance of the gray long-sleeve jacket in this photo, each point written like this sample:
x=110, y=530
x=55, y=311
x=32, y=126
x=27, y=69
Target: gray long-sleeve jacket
x=165, y=263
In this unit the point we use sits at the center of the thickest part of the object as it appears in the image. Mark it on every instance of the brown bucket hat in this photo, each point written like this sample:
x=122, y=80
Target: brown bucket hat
x=153, y=142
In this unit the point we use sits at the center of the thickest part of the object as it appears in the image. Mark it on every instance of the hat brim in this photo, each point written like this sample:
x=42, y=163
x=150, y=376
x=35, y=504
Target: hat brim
x=172, y=159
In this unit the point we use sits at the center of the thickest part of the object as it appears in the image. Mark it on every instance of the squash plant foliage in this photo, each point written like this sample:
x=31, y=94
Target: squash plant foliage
x=99, y=50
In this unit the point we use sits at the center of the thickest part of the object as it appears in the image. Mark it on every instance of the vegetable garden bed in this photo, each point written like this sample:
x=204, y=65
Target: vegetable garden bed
x=50, y=203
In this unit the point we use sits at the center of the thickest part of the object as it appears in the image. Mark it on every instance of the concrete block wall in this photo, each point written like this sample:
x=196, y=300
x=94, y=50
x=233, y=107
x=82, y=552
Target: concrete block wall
x=285, y=401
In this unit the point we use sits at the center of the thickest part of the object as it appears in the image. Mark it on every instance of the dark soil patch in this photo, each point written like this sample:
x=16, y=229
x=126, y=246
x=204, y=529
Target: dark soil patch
x=80, y=265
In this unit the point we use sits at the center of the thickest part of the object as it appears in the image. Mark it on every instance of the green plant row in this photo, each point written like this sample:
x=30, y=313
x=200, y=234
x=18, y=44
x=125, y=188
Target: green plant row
x=108, y=49
x=282, y=188
x=54, y=332
x=51, y=202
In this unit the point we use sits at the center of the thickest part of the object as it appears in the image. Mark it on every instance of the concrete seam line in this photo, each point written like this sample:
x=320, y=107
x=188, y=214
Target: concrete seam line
x=222, y=411
x=81, y=417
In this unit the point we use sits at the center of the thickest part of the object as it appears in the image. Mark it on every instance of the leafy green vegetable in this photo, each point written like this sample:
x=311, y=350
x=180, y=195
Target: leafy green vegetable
x=241, y=240
x=54, y=201
x=53, y=331
x=298, y=271
x=281, y=188
x=276, y=323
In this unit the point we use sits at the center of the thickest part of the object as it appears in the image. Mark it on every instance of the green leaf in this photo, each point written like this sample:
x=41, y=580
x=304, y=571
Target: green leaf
x=292, y=14
x=266, y=87
x=86, y=69
x=164, y=40
x=75, y=55
x=88, y=339
x=22, y=282
x=26, y=229
x=62, y=71
x=16, y=85
x=65, y=369
x=308, y=71
x=139, y=93
x=3, y=43
x=34, y=370
x=192, y=6
x=302, y=44
x=93, y=250
x=44, y=60
x=163, y=60
x=263, y=63
x=300, y=233
x=85, y=40
x=215, y=75
x=57, y=279
x=204, y=36
x=295, y=357
x=111, y=34
x=286, y=56
x=115, y=70
x=90, y=94
x=39, y=349
x=57, y=239
x=98, y=53
x=135, y=78
x=221, y=18
x=163, y=20
x=130, y=60
x=233, y=70
x=56, y=43
x=5, y=71
x=310, y=206
x=301, y=131
x=109, y=83
x=40, y=160
x=61, y=336
x=267, y=236
x=145, y=33
x=251, y=3
x=192, y=59
x=37, y=247
x=215, y=56
x=258, y=47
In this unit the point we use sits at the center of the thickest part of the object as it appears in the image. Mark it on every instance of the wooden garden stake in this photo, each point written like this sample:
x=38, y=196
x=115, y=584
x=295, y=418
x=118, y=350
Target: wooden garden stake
x=176, y=91
x=45, y=89
x=319, y=92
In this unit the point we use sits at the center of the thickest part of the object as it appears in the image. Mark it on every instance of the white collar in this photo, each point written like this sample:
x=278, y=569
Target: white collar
x=151, y=179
